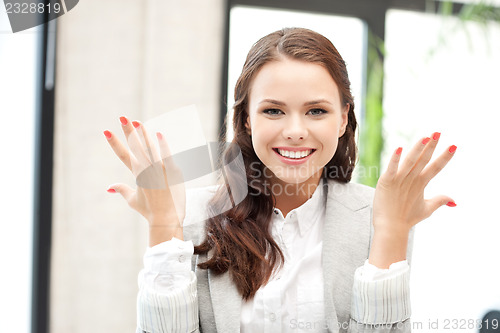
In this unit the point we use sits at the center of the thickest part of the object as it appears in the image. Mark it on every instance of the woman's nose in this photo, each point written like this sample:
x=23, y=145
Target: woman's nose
x=295, y=129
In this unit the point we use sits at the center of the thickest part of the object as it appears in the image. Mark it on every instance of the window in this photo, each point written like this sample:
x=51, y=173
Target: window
x=18, y=65
x=453, y=89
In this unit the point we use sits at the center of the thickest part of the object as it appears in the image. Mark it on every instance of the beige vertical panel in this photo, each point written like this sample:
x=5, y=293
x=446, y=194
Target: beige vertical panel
x=183, y=57
x=117, y=57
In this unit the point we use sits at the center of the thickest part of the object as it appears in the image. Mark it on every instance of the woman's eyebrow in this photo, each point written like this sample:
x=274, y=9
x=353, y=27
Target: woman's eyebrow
x=319, y=101
x=273, y=101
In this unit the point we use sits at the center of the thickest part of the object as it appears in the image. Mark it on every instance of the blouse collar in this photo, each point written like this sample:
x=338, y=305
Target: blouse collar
x=310, y=211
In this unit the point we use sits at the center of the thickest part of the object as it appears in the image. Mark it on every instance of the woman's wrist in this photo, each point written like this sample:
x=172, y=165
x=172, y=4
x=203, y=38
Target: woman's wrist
x=169, y=220
x=388, y=246
x=164, y=228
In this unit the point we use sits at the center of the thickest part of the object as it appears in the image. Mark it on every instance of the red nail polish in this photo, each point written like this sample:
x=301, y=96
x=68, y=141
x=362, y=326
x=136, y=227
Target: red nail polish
x=136, y=124
x=123, y=120
x=436, y=136
x=424, y=141
x=452, y=149
x=111, y=190
x=159, y=136
x=107, y=134
x=399, y=150
x=451, y=204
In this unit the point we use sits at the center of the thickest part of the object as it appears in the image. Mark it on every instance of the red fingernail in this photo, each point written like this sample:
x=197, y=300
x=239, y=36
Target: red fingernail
x=111, y=190
x=399, y=150
x=436, y=136
x=159, y=136
x=452, y=149
x=136, y=124
x=424, y=141
x=107, y=134
x=123, y=120
x=451, y=204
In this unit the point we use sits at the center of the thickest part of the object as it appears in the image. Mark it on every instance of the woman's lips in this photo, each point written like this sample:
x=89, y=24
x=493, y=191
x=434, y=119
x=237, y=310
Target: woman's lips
x=293, y=161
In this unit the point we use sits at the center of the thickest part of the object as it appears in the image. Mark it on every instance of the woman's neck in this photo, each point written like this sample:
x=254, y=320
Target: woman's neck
x=290, y=196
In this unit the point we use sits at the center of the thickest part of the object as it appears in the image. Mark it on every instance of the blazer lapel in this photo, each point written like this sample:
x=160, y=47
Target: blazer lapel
x=330, y=262
x=226, y=302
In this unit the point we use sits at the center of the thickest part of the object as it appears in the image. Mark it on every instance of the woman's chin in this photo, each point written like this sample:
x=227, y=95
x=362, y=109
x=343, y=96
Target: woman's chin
x=292, y=176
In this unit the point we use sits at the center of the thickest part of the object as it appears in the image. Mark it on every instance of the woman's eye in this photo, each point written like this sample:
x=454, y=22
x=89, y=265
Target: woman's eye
x=317, y=112
x=272, y=112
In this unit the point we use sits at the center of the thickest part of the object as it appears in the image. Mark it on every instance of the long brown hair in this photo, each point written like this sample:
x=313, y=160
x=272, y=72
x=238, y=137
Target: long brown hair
x=240, y=238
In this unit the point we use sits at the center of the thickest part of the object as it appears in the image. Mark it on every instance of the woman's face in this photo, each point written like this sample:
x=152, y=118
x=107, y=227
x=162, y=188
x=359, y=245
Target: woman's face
x=295, y=118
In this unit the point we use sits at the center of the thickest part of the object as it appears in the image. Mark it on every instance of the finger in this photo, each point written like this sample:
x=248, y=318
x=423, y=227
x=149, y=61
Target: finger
x=120, y=150
x=126, y=191
x=136, y=147
x=164, y=148
x=126, y=126
x=426, y=155
x=441, y=200
x=153, y=175
x=392, y=168
x=173, y=174
x=413, y=156
x=151, y=147
x=435, y=167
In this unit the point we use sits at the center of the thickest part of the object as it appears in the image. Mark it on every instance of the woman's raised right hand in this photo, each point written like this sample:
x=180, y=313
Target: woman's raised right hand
x=160, y=195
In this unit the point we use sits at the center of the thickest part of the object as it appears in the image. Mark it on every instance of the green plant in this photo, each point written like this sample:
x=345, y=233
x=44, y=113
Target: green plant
x=371, y=138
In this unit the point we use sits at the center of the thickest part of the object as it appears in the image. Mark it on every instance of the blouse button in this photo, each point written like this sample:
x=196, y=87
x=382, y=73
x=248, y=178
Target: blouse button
x=272, y=316
x=276, y=211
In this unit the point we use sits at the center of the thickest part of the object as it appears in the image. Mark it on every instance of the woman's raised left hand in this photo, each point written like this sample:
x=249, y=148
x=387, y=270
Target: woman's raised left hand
x=399, y=202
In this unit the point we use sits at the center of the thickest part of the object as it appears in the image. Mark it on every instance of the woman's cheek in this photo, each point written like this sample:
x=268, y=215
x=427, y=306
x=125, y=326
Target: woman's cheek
x=259, y=146
x=331, y=149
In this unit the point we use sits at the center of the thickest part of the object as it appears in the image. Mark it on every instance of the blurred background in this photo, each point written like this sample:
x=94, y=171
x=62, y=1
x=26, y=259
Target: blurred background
x=71, y=252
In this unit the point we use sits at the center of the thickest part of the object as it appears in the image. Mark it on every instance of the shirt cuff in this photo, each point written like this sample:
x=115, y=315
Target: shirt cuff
x=381, y=296
x=167, y=266
x=173, y=311
x=373, y=273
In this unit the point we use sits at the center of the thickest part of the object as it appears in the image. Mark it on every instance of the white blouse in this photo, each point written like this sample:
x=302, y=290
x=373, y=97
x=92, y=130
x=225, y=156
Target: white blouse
x=292, y=301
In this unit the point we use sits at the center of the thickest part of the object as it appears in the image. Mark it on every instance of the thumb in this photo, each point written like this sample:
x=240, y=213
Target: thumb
x=438, y=201
x=125, y=190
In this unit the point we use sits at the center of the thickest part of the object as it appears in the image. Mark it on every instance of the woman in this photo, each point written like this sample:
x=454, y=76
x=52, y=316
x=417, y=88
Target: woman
x=305, y=250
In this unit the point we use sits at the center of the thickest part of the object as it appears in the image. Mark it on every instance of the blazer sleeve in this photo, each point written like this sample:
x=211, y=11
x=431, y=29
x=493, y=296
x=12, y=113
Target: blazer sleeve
x=382, y=305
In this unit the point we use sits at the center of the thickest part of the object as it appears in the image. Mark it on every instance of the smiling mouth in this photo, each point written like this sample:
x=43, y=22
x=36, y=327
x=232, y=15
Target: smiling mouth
x=294, y=155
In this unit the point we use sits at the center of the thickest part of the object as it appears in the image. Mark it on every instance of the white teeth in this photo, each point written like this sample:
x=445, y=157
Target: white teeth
x=294, y=154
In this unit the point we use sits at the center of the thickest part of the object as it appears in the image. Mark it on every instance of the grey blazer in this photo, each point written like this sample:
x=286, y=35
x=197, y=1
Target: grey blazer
x=346, y=244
